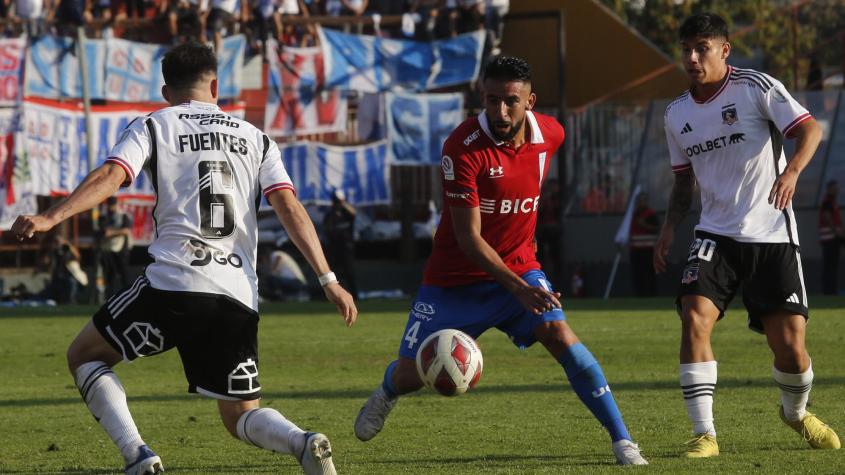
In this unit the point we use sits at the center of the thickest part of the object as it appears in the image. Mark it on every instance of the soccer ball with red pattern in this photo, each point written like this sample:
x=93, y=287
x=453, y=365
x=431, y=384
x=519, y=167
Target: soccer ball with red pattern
x=449, y=361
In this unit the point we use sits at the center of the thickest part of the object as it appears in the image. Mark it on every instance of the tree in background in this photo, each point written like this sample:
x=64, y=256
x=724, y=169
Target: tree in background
x=797, y=40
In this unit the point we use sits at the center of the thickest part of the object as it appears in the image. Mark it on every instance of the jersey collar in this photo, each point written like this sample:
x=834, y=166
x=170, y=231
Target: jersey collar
x=201, y=105
x=533, y=128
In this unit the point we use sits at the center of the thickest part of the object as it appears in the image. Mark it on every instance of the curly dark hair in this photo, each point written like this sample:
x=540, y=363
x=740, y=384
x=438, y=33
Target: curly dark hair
x=703, y=25
x=184, y=65
x=508, y=68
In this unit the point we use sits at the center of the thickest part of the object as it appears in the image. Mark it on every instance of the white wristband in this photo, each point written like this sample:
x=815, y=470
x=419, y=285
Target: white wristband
x=327, y=278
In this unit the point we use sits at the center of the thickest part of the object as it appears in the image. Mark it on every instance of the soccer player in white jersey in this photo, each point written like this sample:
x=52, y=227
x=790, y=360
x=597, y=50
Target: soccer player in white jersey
x=199, y=295
x=725, y=133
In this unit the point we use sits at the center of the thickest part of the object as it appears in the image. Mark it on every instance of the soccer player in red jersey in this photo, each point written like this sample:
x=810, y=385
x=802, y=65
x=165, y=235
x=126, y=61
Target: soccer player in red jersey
x=483, y=271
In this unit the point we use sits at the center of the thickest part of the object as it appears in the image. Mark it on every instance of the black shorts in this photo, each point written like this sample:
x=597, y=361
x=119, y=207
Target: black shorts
x=219, y=19
x=216, y=336
x=769, y=275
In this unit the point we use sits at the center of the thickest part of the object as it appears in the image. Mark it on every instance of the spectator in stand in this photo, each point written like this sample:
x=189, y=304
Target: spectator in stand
x=97, y=16
x=223, y=18
x=333, y=7
x=494, y=23
x=353, y=7
x=261, y=24
x=34, y=15
x=428, y=11
x=466, y=15
x=281, y=277
x=70, y=14
x=831, y=237
x=184, y=20
x=642, y=237
x=287, y=33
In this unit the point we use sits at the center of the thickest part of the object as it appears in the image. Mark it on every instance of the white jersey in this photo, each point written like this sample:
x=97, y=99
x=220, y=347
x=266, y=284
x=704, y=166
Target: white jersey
x=734, y=144
x=209, y=171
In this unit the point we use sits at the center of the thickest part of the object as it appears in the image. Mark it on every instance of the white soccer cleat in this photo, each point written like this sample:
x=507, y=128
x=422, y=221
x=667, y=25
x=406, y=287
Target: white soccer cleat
x=628, y=453
x=316, y=458
x=371, y=418
x=147, y=463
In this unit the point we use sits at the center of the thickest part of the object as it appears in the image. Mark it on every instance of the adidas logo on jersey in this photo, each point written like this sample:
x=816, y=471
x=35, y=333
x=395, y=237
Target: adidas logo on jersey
x=687, y=128
x=793, y=298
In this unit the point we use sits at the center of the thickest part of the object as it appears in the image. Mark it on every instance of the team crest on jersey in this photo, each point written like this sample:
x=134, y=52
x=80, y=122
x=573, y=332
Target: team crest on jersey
x=729, y=114
x=690, y=274
x=244, y=379
x=448, y=168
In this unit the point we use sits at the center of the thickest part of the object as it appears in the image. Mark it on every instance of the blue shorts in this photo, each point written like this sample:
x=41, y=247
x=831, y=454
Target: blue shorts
x=473, y=309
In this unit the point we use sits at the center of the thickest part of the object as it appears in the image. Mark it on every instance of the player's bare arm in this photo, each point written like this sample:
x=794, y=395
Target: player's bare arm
x=301, y=230
x=680, y=201
x=808, y=135
x=96, y=187
x=467, y=226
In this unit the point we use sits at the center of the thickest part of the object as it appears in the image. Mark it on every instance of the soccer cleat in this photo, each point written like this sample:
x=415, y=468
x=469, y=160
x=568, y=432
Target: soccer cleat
x=316, y=457
x=628, y=453
x=371, y=418
x=147, y=463
x=818, y=434
x=702, y=446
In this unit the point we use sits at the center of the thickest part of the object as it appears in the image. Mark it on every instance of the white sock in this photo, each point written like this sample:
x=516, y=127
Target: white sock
x=698, y=381
x=267, y=428
x=106, y=399
x=794, y=392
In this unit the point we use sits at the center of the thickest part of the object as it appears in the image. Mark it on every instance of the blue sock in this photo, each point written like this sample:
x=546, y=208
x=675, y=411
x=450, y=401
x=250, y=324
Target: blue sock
x=387, y=384
x=588, y=382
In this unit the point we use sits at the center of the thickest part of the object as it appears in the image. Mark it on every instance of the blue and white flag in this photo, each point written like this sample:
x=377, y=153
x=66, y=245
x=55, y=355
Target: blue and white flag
x=317, y=170
x=418, y=124
x=52, y=68
x=372, y=64
x=133, y=71
x=230, y=65
x=13, y=54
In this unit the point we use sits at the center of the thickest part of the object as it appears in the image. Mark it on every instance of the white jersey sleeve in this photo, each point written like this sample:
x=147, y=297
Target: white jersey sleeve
x=132, y=149
x=272, y=175
x=779, y=106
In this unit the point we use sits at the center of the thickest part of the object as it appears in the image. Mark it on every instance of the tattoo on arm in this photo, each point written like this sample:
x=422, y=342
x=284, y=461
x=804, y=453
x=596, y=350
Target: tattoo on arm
x=680, y=200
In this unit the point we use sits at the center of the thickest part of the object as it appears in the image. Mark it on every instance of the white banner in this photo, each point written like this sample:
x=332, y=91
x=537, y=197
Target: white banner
x=16, y=196
x=54, y=140
x=133, y=71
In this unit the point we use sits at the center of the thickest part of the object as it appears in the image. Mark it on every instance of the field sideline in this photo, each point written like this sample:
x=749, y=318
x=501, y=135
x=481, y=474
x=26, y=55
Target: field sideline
x=521, y=419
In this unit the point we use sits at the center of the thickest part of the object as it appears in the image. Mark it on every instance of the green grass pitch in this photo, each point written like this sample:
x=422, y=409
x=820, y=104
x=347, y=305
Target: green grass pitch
x=521, y=419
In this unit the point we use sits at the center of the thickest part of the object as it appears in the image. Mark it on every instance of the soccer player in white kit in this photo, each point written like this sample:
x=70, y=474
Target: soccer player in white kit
x=725, y=133
x=200, y=294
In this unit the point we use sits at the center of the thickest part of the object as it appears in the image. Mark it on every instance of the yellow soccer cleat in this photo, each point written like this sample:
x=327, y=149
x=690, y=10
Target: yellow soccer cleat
x=702, y=446
x=818, y=434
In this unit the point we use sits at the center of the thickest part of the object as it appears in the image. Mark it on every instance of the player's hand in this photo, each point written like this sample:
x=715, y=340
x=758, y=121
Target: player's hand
x=661, y=248
x=343, y=301
x=537, y=299
x=27, y=225
x=783, y=189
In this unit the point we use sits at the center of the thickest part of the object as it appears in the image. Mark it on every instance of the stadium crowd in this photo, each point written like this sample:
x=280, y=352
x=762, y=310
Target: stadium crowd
x=290, y=22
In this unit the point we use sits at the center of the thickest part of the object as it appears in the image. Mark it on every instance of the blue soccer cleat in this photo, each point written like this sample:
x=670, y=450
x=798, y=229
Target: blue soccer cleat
x=147, y=463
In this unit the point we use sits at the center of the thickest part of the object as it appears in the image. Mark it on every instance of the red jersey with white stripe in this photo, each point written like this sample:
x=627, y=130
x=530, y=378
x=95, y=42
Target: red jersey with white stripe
x=733, y=141
x=209, y=170
x=478, y=171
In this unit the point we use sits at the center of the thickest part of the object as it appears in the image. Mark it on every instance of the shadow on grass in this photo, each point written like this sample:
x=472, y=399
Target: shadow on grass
x=362, y=394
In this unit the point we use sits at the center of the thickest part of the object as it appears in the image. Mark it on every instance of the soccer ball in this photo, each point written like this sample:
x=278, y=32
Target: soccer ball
x=449, y=361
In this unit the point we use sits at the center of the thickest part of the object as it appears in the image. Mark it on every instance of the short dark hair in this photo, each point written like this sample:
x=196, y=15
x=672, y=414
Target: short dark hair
x=184, y=65
x=508, y=68
x=703, y=25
